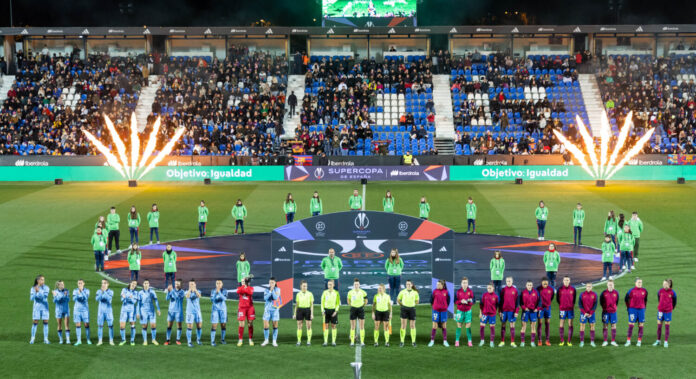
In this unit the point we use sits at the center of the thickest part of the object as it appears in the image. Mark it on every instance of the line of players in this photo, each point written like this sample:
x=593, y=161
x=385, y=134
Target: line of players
x=532, y=304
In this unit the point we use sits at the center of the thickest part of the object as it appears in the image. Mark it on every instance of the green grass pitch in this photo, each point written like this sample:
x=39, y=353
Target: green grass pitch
x=46, y=229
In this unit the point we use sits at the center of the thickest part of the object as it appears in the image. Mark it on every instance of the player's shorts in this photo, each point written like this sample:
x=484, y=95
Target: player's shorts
x=107, y=316
x=587, y=320
x=147, y=318
x=329, y=318
x=62, y=314
x=81, y=316
x=175, y=316
x=382, y=316
x=40, y=314
x=408, y=313
x=490, y=320
x=544, y=313
x=609, y=318
x=303, y=314
x=566, y=315
x=271, y=314
x=127, y=316
x=439, y=316
x=529, y=316
x=508, y=317
x=636, y=315
x=664, y=316
x=218, y=316
x=357, y=313
x=462, y=317
x=246, y=313
x=194, y=318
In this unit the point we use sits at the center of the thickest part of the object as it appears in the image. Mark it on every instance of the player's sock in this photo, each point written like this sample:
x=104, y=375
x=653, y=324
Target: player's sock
x=111, y=332
x=547, y=330
x=67, y=335
x=630, y=331
x=561, y=332
x=492, y=332
x=132, y=333
x=444, y=334
x=352, y=336
x=87, y=332
x=570, y=333
x=275, y=334
x=522, y=335
x=78, y=334
x=413, y=335
x=468, y=334
x=250, y=331
x=502, y=333
x=640, y=332
x=483, y=328
x=188, y=335
x=326, y=335
x=604, y=333
x=33, y=330
x=582, y=336
x=659, y=331
x=60, y=335
x=212, y=335
x=265, y=334
x=334, y=332
x=362, y=335
x=533, y=336
x=457, y=334
x=199, y=331
x=402, y=335
x=376, y=335
x=666, y=332
x=45, y=330
x=169, y=333
x=592, y=335
x=223, y=332
x=512, y=334
x=100, y=332
x=144, y=333
x=386, y=336
x=178, y=334
x=613, y=335
x=432, y=334
x=153, y=333
x=240, y=332
x=299, y=335
x=538, y=329
x=309, y=334
x=123, y=334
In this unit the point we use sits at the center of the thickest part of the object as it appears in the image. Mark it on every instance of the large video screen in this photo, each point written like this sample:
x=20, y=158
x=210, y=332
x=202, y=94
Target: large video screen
x=369, y=8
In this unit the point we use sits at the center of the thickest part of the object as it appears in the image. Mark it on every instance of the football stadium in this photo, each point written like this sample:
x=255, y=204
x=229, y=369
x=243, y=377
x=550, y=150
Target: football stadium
x=412, y=189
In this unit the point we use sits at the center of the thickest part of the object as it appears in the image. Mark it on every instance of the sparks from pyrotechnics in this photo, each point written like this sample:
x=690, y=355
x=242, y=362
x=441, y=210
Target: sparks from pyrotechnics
x=138, y=165
x=603, y=167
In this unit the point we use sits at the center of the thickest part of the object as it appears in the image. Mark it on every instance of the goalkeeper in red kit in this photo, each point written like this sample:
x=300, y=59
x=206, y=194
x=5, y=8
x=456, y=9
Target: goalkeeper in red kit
x=246, y=311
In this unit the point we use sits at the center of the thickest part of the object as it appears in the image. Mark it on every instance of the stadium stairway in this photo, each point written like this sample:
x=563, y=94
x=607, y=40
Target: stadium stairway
x=593, y=101
x=444, y=125
x=296, y=83
x=147, y=97
x=5, y=84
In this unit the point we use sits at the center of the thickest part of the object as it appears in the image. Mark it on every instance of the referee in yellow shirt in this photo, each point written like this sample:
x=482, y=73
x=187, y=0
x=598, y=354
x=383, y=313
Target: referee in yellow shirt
x=357, y=298
x=408, y=299
x=330, y=301
x=381, y=314
x=304, y=311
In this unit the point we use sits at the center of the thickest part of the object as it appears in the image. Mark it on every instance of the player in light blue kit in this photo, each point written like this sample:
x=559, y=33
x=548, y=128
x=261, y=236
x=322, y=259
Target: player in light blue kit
x=148, y=304
x=270, y=311
x=39, y=295
x=80, y=296
x=218, y=314
x=105, y=312
x=193, y=312
x=61, y=298
x=129, y=310
x=175, y=296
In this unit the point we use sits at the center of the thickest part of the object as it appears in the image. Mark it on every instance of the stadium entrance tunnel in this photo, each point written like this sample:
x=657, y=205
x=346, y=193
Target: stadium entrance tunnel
x=363, y=241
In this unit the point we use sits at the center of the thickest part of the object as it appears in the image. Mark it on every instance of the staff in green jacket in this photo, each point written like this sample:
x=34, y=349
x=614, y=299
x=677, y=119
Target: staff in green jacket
x=388, y=202
x=636, y=228
x=289, y=208
x=608, y=250
x=394, y=265
x=133, y=224
x=578, y=222
x=243, y=269
x=542, y=214
x=134, y=256
x=332, y=266
x=98, y=242
x=611, y=227
x=423, y=208
x=315, y=205
x=112, y=221
x=202, y=219
x=239, y=212
x=470, y=216
x=355, y=201
x=169, y=259
x=153, y=223
x=497, y=267
x=552, y=259
x=627, y=243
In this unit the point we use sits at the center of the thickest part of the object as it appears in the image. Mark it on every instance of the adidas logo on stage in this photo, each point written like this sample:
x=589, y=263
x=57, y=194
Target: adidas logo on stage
x=443, y=249
x=85, y=31
x=208, y=31
x=577, y=29
x=330, y=31
x=269, y=31
x=639, y=29
x=453, y=30
x=282, y=249
x=515, y=30
x=391, y=31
